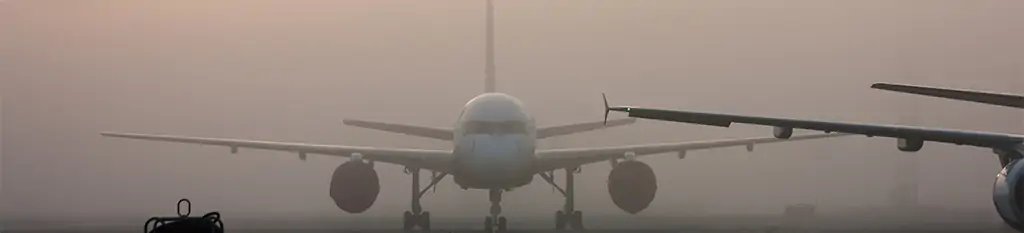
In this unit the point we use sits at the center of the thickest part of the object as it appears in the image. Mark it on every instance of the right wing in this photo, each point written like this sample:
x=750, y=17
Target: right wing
x=420, y=131
x=1007, y=100
x=980, y=139
x=567, y=158
x=435, y=160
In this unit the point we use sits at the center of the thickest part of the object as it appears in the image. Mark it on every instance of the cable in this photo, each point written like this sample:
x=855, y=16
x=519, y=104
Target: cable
x=209, y=222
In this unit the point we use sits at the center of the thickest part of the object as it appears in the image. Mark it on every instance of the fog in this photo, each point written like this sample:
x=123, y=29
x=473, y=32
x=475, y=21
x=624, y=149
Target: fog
x=292, y=70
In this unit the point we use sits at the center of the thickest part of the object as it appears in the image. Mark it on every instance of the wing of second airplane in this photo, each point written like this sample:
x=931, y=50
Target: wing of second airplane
x=568, y=158
x=913, y=136
x=1001, y=99
x=436, y=160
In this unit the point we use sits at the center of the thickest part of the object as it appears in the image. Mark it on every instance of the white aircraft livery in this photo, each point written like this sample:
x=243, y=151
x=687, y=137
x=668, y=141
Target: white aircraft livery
x=494, y=148
x=1008, y=189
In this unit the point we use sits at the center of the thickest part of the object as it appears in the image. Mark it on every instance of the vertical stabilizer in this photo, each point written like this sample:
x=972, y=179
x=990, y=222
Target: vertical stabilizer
x=489, y=81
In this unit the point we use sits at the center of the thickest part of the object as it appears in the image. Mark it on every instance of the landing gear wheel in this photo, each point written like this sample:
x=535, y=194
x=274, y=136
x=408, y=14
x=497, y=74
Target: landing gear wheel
x=568, y=217
x=502, y=224
x=576, y=220
x=417, y=217
x=425, y=221
x=408, y=221
x=560, y=220
x=488, y=224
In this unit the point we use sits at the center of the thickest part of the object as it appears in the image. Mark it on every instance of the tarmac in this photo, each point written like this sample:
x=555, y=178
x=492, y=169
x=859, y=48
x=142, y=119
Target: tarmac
x=864, y=222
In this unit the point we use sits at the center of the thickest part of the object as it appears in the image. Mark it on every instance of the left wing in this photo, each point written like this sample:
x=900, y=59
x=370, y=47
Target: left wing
x=435, y=160
x=553, y=131
x=568, y=158
x=414, y=130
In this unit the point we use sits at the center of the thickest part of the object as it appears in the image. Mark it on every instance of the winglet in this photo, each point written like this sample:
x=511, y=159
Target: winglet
x=606, y=108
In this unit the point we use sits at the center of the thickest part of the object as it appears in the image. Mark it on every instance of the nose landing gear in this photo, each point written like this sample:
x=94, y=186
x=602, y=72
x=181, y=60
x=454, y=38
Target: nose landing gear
x=495, y=222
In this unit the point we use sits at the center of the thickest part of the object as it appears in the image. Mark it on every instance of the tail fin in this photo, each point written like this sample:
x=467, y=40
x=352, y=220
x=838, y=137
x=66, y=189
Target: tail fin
x=489, y=81
x=1007, y=100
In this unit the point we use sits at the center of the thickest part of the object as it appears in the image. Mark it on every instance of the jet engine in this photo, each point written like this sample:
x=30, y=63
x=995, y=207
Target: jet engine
x=909, y=144
x=632, y=185
x=1008, y=195
x=354, y=186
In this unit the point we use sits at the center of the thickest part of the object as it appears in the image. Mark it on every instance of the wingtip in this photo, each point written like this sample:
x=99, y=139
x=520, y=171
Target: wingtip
x=882, y=85
x=352, y=122
x=606, y=108
x=110, y=134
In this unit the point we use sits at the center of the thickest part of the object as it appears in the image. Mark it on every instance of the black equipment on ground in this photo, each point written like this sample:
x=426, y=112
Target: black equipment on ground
x=209, y=222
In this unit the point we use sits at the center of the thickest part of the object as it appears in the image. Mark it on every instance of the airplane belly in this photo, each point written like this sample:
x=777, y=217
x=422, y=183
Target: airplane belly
x=488, y=174
x=494, y=161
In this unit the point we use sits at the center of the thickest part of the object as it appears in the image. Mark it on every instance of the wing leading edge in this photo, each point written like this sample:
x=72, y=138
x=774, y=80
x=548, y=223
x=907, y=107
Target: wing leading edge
x=436, y=160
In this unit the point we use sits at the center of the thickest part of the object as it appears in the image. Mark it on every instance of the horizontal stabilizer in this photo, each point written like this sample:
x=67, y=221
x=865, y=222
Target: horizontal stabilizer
x=561, y=130
x=419, y=131
x=1007, y=100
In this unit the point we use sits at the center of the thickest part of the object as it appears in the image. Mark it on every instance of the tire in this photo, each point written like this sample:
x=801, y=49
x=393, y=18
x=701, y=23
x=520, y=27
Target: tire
x=408, y=221
x=577, y=220
x=559, y=220
x=488, y=224
x=502, y=224
x=425, y=221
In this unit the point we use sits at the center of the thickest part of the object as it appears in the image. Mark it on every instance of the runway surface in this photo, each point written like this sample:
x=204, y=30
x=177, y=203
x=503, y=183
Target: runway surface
x=860, y=222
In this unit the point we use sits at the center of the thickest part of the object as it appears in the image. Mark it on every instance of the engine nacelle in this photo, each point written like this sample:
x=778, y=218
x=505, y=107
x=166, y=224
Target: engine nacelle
x=1008, y=195
x=782, y=132
x=909, y=144
x=355, y=186
x=632, y=186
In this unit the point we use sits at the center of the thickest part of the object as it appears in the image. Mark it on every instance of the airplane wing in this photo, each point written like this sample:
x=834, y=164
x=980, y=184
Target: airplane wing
x=420, y=131
x=568, y=158
x=907, y=134
x=552, y=131
x=435, y=160
x=1007, y=100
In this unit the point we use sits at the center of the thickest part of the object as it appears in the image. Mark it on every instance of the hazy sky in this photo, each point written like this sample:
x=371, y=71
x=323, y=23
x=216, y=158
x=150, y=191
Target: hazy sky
x=291, y=70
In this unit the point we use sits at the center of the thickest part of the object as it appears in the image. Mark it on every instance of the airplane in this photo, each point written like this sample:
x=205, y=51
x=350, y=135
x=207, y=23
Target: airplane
x=494, y=148
x=1008, y=189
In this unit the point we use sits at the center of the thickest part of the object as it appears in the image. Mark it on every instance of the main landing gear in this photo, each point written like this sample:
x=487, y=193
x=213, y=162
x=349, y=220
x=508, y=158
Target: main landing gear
x=417, y=217
x=568, y=217
x=495, y=222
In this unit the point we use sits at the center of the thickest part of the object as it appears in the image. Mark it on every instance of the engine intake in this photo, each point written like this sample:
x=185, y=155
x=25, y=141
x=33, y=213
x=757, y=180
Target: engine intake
x=632, y=186
x=782, y=132
x=909, y=144
x=1008, y=195
x=355, y=186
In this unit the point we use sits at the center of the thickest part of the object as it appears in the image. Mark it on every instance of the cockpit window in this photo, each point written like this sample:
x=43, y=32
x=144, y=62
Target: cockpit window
x=495, y=128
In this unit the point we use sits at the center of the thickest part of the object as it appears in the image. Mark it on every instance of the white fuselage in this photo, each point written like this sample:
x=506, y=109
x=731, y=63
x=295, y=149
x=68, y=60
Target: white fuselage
x=495, y=143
